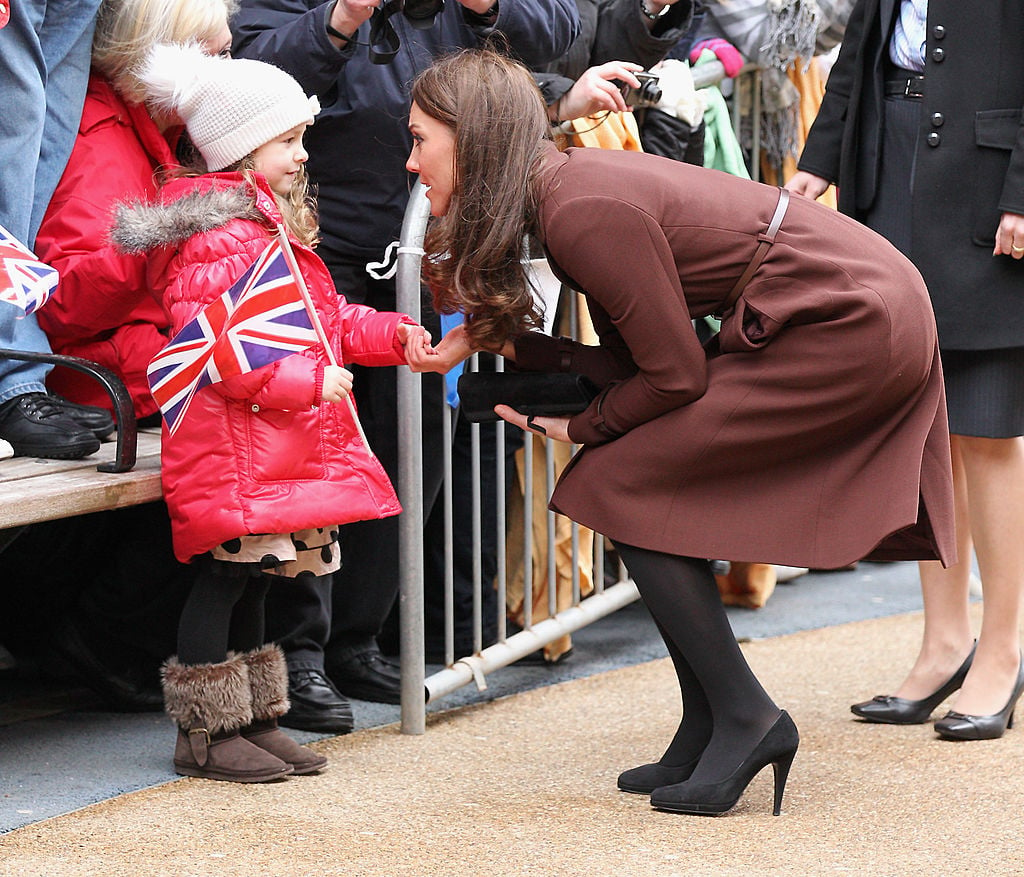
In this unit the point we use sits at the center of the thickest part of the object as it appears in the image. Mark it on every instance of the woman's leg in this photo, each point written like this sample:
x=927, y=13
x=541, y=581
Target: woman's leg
x=994, y=470
x=694, y=732
x=947, y=636
x=681, y=594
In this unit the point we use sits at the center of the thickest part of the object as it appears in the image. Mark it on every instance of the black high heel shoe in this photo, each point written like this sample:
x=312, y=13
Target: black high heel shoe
x=645, y=779
x=777, y=748
x=960, y=726
x=888, y=710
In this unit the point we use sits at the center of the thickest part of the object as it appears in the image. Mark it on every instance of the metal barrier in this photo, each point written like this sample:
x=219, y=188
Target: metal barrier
x=460, y=670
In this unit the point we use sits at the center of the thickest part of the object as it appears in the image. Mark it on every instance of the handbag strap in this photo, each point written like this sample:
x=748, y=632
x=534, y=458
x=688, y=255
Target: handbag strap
x=765, y=240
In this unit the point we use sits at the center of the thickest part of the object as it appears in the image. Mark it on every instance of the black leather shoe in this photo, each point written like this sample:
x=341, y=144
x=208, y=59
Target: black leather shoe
x=888, y=710
x=97, y=420
x=316, y=705
x=961, y=726
x=125, y=680
x=36, y=426
x=366, y=675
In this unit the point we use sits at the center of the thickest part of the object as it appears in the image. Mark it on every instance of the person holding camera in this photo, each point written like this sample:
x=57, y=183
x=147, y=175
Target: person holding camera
x=618, y=39
x=819, y=406
x=357, y=157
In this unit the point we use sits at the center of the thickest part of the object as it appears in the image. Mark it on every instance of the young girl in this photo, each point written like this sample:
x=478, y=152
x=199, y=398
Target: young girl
x=259, y=472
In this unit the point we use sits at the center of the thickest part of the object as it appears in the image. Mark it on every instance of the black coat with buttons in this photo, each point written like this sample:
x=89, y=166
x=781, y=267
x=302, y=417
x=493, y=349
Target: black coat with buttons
x=969, y=166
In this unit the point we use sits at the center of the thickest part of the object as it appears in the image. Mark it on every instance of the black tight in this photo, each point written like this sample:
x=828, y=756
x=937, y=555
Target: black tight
x=725, y=709
x=224, y=611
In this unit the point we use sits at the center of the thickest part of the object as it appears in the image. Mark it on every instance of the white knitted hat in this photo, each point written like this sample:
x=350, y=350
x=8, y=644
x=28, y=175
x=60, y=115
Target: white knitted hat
x=230, y=107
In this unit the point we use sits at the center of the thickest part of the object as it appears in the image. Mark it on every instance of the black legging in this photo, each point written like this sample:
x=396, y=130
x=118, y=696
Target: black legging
x=725, y=709
x=224, y=611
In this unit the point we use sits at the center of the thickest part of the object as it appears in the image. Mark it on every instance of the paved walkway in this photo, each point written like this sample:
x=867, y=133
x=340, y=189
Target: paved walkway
x=526, y=786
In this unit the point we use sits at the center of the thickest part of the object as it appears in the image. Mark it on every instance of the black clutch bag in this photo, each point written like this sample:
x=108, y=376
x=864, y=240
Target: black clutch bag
x=531, y=393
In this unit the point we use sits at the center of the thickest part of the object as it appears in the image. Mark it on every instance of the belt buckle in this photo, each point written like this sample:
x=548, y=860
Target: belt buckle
x=910, y=89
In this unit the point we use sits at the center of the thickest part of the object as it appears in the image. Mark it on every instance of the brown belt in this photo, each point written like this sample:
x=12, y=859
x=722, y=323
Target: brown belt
x=765, y=239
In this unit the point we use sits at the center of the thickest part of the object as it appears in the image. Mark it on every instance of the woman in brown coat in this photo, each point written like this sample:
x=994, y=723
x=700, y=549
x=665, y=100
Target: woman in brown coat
x=811, y=432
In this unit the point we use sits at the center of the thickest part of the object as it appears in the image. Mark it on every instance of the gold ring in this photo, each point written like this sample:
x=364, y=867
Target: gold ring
x=1017, y=249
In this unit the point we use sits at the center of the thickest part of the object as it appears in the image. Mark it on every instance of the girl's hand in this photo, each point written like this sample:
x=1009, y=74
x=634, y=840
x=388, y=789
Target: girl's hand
x=337, y=383
x=556, y=428
x=415, y=340
x=595, y=91
x=1010, y=236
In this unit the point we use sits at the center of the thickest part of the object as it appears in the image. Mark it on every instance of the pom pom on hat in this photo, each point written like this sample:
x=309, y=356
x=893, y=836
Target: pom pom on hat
x=230, y=107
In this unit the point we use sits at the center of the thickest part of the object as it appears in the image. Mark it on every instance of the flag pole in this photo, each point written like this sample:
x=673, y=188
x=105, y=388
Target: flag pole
x=293, y=266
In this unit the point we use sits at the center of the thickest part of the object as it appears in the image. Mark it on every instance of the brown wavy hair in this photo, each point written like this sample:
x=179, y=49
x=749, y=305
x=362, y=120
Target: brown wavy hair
x=475, y=253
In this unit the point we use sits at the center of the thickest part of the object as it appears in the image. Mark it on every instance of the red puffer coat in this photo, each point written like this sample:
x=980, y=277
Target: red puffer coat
x=258, y=453
x=103, y=308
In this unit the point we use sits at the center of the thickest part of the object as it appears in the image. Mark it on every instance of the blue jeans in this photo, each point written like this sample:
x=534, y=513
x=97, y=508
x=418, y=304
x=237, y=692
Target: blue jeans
x=44, y=65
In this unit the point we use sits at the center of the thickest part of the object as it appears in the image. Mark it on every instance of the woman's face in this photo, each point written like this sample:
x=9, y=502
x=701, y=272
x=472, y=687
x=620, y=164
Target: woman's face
x=433, y=158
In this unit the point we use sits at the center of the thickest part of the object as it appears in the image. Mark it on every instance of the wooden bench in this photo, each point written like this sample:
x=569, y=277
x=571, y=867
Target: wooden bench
x=34, y=490
x=124, y=472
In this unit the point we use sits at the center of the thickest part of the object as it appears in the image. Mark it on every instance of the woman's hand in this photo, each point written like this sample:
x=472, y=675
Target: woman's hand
x=556, y=428
x=337, y=383
x=809, y=185
x=415, y=340
x=595, y=90
x=452, y=349
x=1010, y=236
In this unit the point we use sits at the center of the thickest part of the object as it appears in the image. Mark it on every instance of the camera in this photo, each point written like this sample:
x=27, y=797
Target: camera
x=647, y=95
x=420, y=13
x=384, y=42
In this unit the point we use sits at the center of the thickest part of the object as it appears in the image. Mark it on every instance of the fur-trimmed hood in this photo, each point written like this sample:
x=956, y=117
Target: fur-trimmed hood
x=206, y=204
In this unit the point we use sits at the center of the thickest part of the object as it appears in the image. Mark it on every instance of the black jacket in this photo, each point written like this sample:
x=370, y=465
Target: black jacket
x=613, y=30
x=969, y=162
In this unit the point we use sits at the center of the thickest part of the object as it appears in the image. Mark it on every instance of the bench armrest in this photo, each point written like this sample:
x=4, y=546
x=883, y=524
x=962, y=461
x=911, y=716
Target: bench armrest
x=127, y=431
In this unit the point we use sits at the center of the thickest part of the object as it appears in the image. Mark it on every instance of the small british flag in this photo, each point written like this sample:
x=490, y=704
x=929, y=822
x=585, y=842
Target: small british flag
x=262, y=318
x=24, y=281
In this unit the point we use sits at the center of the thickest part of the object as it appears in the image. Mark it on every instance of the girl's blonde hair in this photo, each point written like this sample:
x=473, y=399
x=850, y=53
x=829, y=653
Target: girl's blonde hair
x=476, y=251
x=127, y=29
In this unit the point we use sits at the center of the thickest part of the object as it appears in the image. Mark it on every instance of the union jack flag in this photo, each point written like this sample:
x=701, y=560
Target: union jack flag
x=24, y=280
x=262, y=318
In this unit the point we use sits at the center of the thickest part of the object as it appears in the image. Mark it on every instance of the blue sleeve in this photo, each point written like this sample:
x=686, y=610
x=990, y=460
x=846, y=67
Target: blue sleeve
x=292, y=35
x=538, y=31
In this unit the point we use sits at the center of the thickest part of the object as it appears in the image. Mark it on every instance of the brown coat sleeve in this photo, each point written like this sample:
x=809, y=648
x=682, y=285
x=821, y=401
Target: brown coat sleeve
x=621, y=258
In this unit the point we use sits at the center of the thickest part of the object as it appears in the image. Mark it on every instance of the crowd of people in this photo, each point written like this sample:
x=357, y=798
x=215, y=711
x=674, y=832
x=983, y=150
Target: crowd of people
x=864, y=393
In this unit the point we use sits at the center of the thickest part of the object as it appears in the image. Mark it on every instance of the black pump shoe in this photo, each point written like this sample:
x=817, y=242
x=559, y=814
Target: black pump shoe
x=777, y=748
x=960, y=726
x=888, y=710
x=646, y=778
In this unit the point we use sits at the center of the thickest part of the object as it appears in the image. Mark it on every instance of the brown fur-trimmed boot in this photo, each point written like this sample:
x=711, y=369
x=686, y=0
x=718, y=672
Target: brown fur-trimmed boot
x=210, y=703
x=268, y=681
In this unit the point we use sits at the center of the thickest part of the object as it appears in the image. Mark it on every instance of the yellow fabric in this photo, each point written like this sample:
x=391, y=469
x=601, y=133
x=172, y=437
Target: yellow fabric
x=811, y=86
x=602, y=131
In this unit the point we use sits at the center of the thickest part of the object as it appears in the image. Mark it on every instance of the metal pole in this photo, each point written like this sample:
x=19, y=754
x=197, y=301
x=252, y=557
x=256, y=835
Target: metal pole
x=410, y=470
